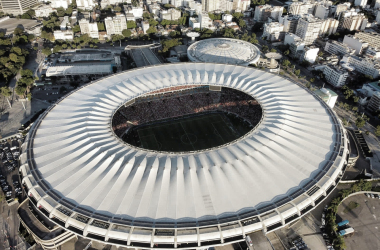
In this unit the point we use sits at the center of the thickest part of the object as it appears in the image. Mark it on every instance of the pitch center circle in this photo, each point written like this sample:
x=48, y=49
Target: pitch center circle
x=189, y=138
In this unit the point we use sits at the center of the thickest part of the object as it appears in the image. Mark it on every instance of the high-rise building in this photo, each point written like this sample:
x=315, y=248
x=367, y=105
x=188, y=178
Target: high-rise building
x=204, y=20
x=321, y=12
x=353, y=22
x=300, y=8
x=355, y=43
x=364, y=65
x=262, y=12
x=335, y=75
x=308, y=28
x=290, y=22
x=373, y=38
x=210, y=5
x=374, y=103
x=272, y=31
x=337, y=9
x=329, y=26
x=16, y=7
x=61, y=3
x=361, y=3
x=115, y=25
x=336, y=48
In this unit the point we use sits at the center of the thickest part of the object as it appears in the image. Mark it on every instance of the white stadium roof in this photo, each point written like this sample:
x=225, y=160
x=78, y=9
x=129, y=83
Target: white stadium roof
x=224, y=50
x=73, y=161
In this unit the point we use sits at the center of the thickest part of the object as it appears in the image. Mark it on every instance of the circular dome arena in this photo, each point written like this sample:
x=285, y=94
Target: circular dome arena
x=86, y=178
x=224, y=50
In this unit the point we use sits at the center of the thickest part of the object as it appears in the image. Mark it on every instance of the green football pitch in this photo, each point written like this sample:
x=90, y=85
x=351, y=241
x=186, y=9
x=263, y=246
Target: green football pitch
x=188, y=133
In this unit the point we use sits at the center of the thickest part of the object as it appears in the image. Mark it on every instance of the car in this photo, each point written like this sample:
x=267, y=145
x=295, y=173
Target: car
x=16, y=183
x=18, y=191
x=367, y=194
x=2, y=181
x=372, y=196
x=5, y=188
x=8, y=194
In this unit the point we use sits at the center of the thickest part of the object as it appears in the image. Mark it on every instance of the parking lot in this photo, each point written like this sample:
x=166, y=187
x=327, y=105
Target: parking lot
x=9, y=179
x=364, y=220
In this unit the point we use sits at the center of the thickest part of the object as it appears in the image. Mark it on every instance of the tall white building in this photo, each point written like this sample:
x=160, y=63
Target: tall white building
x=115, y=25
x=353, y=22
x=335, y=75
x=361, y=3
x=86, y=27
x=291, y=38
x=337, y=9
x=364, y=65
x=300, y=8
x=355, y=43
x=372, y=38
x=338, y=48
x=308, y=28
x=309, y=54
x=170, y=14
x=290, y=22
x=321, y=12
x=204, y=20
x=329, y=26
x=263, y=12
x=210, y=5
x=272, y=31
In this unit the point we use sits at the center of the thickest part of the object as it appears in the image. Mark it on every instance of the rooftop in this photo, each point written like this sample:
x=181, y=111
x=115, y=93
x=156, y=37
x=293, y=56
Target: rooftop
x=10, y=24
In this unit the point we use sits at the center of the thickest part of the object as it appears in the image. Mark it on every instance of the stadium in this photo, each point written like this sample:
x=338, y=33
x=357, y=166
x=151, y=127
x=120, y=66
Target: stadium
x=187, y=155
x=224, y=50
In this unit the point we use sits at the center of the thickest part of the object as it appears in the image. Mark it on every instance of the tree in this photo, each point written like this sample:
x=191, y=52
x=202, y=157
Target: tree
x=286, y=63
x=152, y=30
x=377, y=131
x=76, y=29
x=297, y=72
x=312, y=79
x=131, y=24
x=61, y=12
x=273, y=50
x=117, y=37
x=153, y=22
x=126, y=33
x=117, y=8
x=320, y=53
x=360, y=122
x=69, y=11
x=241, y=23
x=20, y=90
x=101, y=26
x=146, y=15
x=46, y=51
x=13, y=57
x=264, y=48
x=6, y=91
x=286, y=52
x=26, y=73
x=18, y=31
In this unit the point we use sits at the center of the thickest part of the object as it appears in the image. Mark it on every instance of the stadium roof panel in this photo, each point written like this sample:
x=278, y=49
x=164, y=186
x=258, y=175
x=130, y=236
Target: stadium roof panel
x=79, y=158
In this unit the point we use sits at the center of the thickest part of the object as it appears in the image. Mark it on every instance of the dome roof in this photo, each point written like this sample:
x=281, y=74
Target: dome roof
x=74, y=153
x=224, y=50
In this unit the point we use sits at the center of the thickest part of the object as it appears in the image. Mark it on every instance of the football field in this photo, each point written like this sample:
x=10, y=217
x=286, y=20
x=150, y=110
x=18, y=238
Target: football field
x=186, y=134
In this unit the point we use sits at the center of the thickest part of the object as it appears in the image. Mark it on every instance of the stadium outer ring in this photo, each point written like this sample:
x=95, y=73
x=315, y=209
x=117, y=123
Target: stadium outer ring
x=222, y=232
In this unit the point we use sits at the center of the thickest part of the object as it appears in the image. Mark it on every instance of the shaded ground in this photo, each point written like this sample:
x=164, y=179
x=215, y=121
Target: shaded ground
x=365, y=221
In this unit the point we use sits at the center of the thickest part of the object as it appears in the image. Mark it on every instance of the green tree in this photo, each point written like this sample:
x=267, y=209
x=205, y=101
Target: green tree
x=320, y=53
x=117, y=8
x=153, y=22
x=101, y=26
x=241, y=23
x=69, y=11
x=377, y=131
x=126, y=33
x=6, y=91
x=360, y=122
x=46, y=51
x=297, y=72
x=146, y=15
x=20, y=90
x=18, y=31
x=117, y=37
x=13, y=57
x=26, y=73
x=312, y=79
x=286, y=63
x=76, y=28
x=264, y=48
x=61, y=12
x=131, y=24
x=151, y=30
x=286, y=52
x=273, y=50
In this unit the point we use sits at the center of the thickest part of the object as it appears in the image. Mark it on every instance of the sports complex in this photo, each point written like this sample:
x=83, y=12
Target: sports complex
x=187, y=155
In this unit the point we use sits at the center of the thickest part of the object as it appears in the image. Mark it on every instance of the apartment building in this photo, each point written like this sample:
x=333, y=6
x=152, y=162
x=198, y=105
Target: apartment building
x=364, y=65
x=374, y=102
x=353, y=22
x=115, y=25
x=329, y=26
x=263, y=12
x=308, y=28
x=372, y=38
x=355, y=43
x=272, y=31
x=16, y=7
x=335, y=75
x=290, y=22
x=300, y=8
x=90, y=28
x=338, y=48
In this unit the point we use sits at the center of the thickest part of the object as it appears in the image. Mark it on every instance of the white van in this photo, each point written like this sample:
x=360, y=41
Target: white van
x=248, y=240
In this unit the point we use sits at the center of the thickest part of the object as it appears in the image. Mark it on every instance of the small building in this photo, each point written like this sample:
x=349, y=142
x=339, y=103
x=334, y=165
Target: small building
x=194, y=23
x=64, y=34
x=327, y=95
x=309, y=54
x=374, y=102
x=291, y=38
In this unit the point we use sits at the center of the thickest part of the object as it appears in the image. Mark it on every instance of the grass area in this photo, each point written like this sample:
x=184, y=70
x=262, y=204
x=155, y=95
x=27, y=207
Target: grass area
x=351, y=206
x=188, y=133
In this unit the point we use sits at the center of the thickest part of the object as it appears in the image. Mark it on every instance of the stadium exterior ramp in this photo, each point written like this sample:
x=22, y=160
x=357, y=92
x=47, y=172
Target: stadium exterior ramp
x=88, y=181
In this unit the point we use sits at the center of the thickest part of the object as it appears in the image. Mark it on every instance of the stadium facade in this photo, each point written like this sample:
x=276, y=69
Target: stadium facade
x=86, y=180
x=224, y=50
